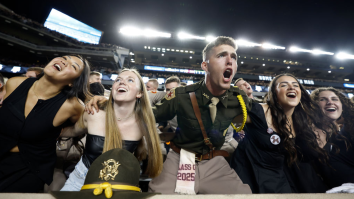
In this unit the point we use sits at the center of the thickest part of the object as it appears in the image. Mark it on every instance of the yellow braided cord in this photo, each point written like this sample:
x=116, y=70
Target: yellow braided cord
x=98, y=188
x=244, y=113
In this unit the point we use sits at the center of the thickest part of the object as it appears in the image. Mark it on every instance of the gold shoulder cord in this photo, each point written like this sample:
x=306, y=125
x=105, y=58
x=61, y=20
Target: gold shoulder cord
x=244, y=112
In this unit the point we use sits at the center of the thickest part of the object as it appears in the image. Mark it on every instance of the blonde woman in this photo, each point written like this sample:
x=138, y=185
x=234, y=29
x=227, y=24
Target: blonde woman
x=122, y=123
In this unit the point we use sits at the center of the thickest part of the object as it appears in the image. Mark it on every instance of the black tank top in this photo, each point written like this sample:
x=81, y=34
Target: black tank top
x=94, y=147
x=35, y=135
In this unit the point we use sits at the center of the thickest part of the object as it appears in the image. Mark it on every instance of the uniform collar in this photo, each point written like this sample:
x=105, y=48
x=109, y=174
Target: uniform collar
x=206, y=96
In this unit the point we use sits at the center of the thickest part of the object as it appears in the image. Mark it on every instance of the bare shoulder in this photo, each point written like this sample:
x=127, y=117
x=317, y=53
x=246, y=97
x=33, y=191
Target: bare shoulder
x=96, y=116
x=75, y=104
x=12, y=84
x=264, y=106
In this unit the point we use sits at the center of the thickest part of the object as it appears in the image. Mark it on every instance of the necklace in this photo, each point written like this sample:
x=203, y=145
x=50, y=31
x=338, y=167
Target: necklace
x=34, y=88
x=120, y=119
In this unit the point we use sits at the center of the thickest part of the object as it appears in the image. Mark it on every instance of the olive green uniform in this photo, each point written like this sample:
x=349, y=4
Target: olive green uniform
x=189, y=135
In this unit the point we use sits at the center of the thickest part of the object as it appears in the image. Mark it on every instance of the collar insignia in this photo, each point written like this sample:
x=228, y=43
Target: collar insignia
x=110, y=170
x=205, y=95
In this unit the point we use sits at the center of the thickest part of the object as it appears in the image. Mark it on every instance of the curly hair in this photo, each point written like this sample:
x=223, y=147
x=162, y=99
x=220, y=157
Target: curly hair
x=347, y=107
x=306, y=115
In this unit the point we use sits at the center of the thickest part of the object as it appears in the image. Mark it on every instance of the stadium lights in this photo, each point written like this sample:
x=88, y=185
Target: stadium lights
x=183, y=35
x=315, y=51
x=329, y=71
x=263, y=64
x=131, y=31
x=320, y=52
x=308, y=69
x=270, y=46
x=344, y=56
x=241, y=42
x=210, y=38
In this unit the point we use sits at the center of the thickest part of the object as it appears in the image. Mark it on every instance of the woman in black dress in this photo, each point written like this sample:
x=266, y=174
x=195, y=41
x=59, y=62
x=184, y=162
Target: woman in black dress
x=32, y=116
x=340, y=110
x=279, y=134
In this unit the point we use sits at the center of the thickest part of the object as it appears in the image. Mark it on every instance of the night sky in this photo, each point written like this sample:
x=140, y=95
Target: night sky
x=326, y=25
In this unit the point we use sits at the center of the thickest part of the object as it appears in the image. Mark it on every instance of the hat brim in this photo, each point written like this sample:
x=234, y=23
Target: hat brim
x=89, y=195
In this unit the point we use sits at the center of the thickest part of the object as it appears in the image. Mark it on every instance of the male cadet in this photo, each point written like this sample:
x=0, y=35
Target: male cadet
x=169, y=128
x=95, y=77
x=171, y=83
x=196, y=165
x=152, y=85
x=245, y=86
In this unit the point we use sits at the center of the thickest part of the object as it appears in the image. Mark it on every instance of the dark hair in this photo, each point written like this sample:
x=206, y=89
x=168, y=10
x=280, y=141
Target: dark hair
x=2, y=81
x=347, y=107
x=221, y=40
x=306, y=114
x=96, y=89
x=183, y=84
x=237, y=80
x=80, y=86
x=173, y=79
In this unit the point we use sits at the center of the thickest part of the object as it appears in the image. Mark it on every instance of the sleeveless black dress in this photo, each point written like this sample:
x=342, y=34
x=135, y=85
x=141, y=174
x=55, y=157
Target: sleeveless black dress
x=341, y=165
x=261, y=162
x=259, y=159
x=35, y=137
x=94, y=147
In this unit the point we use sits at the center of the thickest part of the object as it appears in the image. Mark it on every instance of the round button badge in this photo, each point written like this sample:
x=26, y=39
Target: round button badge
x=275, y=139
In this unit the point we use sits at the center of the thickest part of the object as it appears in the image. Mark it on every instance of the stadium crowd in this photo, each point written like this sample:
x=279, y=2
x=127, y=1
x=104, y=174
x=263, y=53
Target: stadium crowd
x=204, y=138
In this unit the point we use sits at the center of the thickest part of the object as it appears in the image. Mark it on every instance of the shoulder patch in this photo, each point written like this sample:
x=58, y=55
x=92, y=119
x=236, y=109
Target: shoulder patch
x=170, y=95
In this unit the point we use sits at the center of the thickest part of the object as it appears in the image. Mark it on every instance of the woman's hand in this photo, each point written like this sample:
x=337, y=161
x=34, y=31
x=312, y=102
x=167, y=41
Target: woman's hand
x=93, y=104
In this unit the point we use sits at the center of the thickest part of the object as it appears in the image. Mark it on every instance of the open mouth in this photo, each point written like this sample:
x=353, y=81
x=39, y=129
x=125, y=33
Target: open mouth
x=291, y=95
x=57, y=66
x=122, y=90
x=330, y=110
x=227, y=73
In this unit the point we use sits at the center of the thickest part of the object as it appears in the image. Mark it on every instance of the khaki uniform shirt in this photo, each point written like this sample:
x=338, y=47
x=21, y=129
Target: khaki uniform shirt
x=188, y=134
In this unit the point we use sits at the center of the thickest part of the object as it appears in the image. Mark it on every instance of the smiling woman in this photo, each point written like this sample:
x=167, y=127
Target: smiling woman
x=340, y=110
x=279, y=138
x=122, y=122
x=33, y=114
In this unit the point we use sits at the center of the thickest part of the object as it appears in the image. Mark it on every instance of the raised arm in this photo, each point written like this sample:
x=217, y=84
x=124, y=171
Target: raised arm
x=167, y=108
x=93, y=104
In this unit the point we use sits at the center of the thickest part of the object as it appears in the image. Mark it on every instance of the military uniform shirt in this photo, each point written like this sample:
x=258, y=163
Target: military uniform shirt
x=188, y=134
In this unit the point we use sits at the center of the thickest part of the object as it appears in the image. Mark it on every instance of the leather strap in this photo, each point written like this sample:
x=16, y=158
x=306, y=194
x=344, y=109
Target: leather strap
x=200, y=157
x=199, y=117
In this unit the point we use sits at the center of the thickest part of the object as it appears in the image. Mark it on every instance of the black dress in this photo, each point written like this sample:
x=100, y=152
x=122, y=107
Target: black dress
x=94, y=147
x=341, y=165
x=303, y=175
x=259, y=158
x=35, y=137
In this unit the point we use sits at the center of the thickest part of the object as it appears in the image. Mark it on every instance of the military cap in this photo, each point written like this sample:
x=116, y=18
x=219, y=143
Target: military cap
x=114, y=174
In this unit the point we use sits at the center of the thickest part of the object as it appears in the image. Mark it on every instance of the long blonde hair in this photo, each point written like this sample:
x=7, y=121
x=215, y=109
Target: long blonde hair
x=147, y=124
